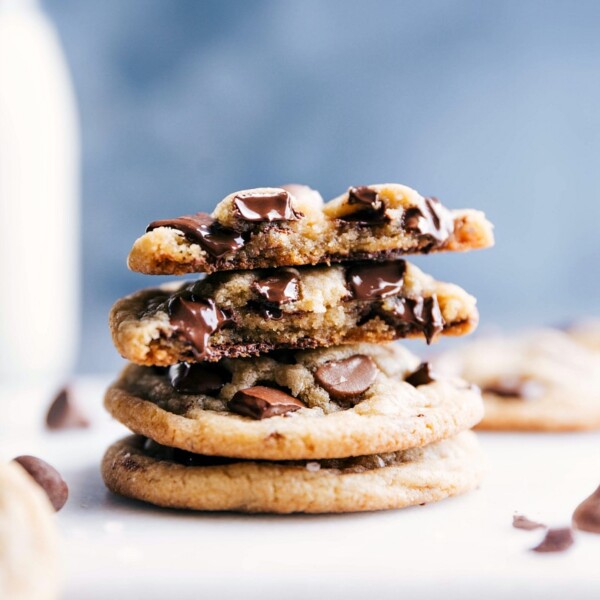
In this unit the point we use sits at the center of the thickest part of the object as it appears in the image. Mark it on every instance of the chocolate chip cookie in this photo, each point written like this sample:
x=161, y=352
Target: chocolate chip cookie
x=289, y=226
x=540, y=381
x=248, y=312
x=328, y=403
x=141, y=469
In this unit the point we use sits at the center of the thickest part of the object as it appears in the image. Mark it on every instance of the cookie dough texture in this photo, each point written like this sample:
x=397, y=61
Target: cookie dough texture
x=324, y=314
x=391, y=415
x=397, y=480
x=319, y=236
x=562, y=374
x=28, y=539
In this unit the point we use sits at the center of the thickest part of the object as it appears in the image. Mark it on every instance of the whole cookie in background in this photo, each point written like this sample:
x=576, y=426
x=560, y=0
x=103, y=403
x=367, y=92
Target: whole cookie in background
x=141, y=469
x=537, y=381
x=587, y=333
x=28, y=538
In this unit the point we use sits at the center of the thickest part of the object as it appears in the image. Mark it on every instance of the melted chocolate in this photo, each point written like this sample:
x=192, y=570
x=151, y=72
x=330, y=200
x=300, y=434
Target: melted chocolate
x=198, y=378
x=202, y=229
x=372, y=208
x=183, y=457
x=587, y=515
x=260, y=206
x=422, y=376
x=376, y=280
x=347, y=379
x=280, y=288
x=515, y=388
x=424, y=313
x=434, y=221
x=196, y=321
x=262, y=402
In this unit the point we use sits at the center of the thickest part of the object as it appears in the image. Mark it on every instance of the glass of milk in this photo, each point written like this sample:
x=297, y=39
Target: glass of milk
x=39, y=195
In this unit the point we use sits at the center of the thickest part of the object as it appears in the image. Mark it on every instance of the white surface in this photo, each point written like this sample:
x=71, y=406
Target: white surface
x=460, y=548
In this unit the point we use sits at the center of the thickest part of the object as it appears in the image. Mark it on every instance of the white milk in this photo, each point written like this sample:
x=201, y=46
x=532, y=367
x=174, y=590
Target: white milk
x=39, y=189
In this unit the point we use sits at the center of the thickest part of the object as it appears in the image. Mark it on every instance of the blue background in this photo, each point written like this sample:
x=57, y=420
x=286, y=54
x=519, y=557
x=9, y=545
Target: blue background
x=492, y=105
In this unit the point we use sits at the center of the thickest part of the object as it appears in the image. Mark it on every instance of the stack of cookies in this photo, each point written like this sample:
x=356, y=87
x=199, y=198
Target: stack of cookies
x=271, y=385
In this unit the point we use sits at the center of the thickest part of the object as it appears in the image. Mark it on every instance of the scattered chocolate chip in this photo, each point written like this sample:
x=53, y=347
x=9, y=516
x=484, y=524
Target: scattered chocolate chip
x=47, y=477
x=348, y=378
x=64, y=413
x=196, y=321
x=203, y=230
x=434, y=221
x=556, y=540
x=515, y=387
x=263, y=206
x=372, y=209
x=198, y=378
x=279, y=288
x=423, y=375
x=262, y=402
x=522, y=522
x=587, y=515
x=424, y=313
x=376, y=280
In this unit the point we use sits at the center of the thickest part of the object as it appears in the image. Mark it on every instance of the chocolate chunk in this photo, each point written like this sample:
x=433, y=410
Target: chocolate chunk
x=196, y=321
x=202, y=229
x=198, y=378
x=262, y=402
x=262, y=206
x=423, y=313
x=422, y=376
x=372, y=208
x=47, y=477
x=279, y=288
x=515, y=387
x=349, y=378
x=556, y=540
x=435, y=222
x=587, y=515
x=376, y=280
x=64, y=413
x=183, y=457
x=522, y=522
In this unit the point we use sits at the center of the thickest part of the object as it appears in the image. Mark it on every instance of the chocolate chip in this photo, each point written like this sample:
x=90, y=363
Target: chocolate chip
x=349, y=378
x=587, y=515
x=196, y=321
x=64, y=413
x=422, y=376
x=183, y=457
x=522, y=522
x=47, y=477
x=372, y=208
x=202, y=229
x=433, y=221
x=424, y=313
x=262, y=402
x=515, y=387
x=376, y=280
x=279, y=288
x=265, y=206
x=198, y=378
x=556, y=540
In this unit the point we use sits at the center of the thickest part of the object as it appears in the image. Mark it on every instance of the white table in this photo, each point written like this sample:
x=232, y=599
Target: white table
x=460, y=548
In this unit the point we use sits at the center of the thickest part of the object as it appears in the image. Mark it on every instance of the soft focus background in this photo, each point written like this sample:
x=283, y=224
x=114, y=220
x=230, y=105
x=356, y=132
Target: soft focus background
x=492, y=105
